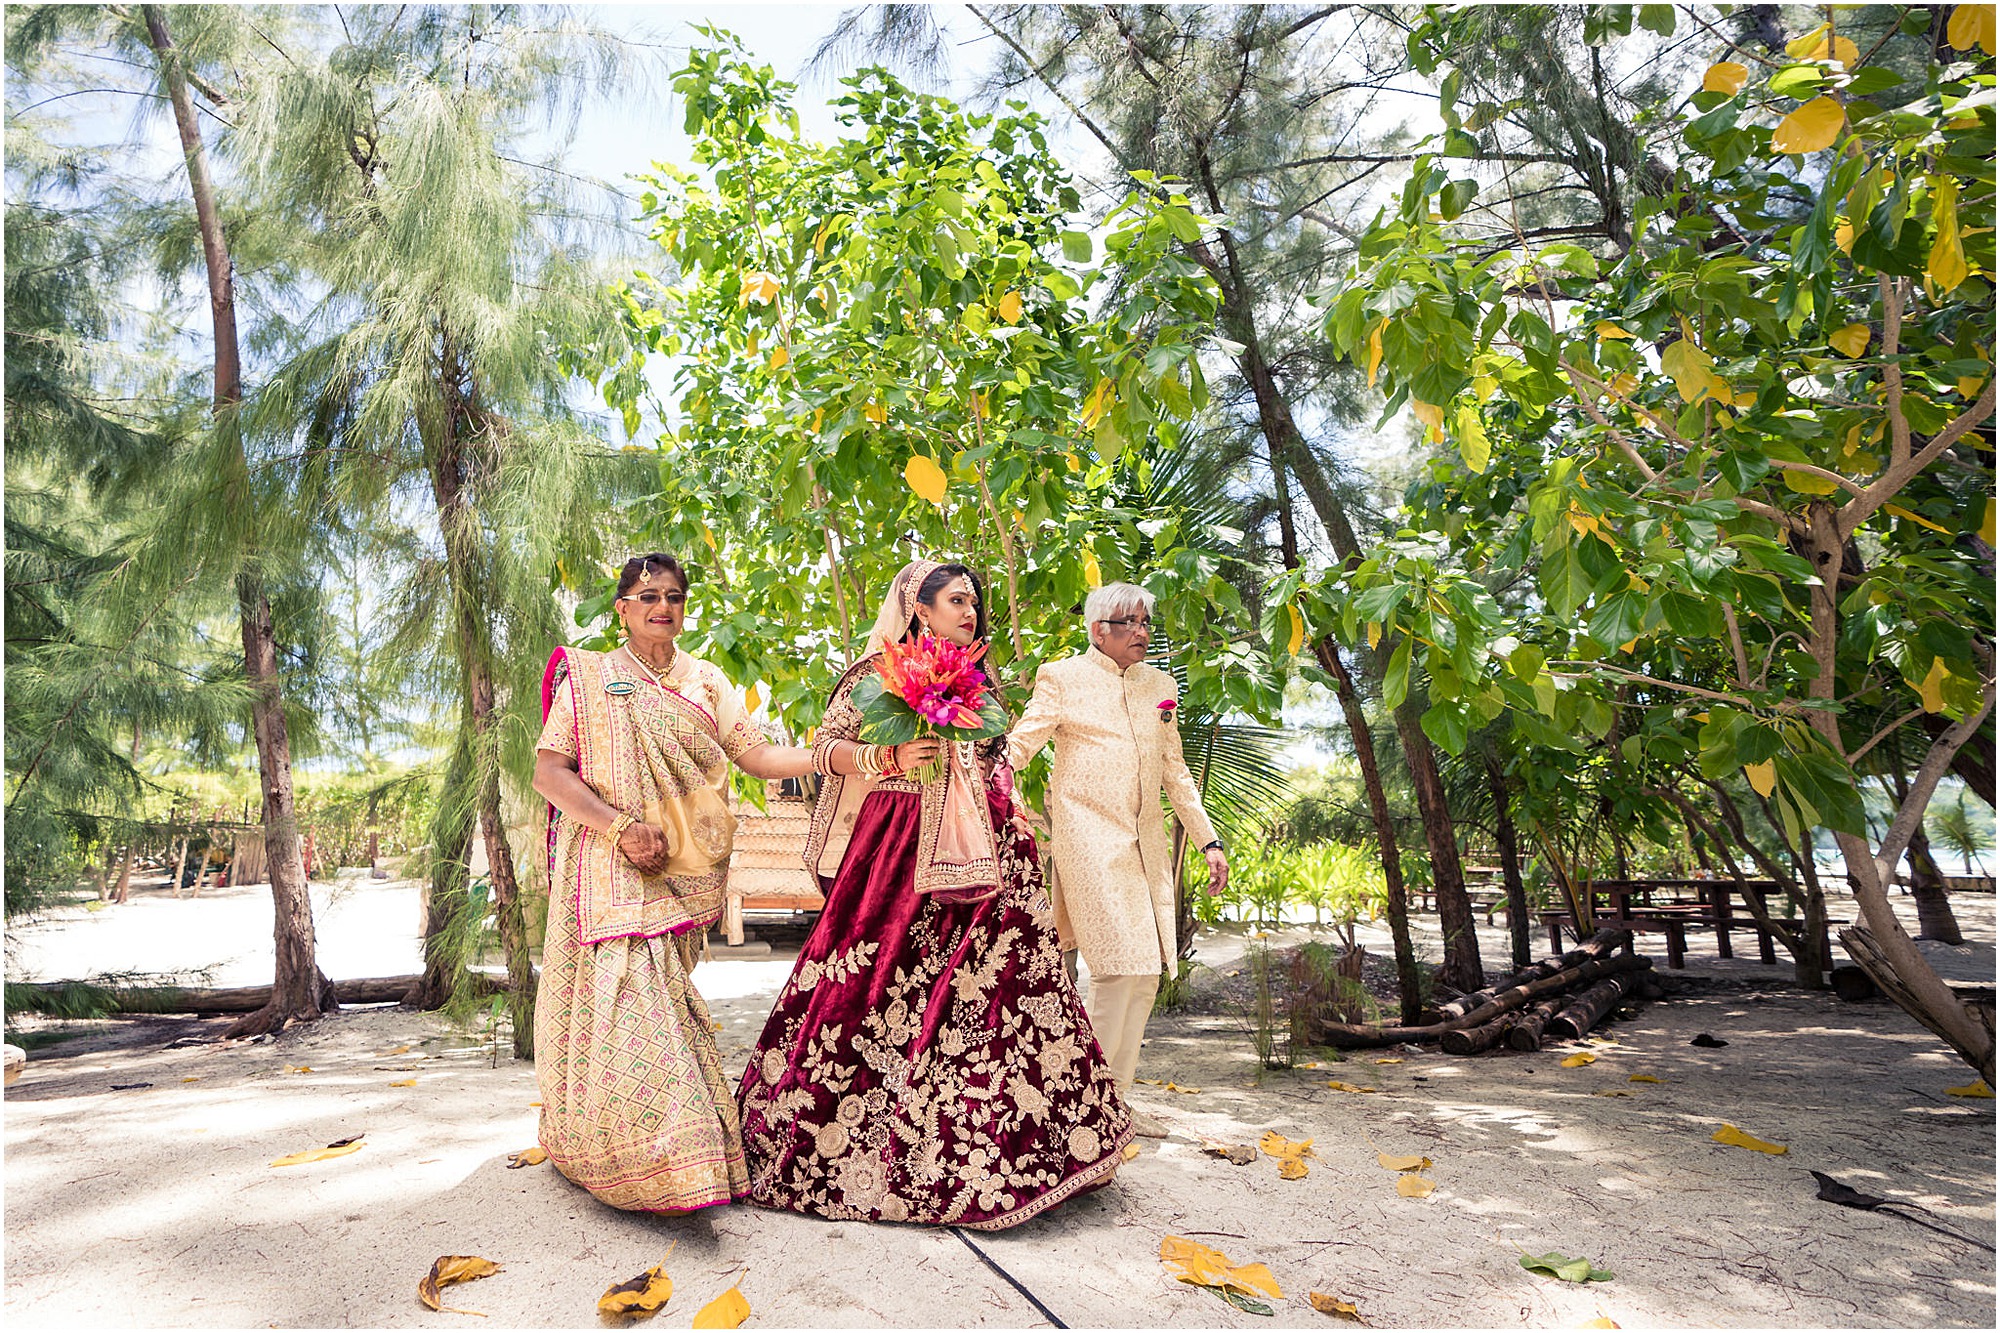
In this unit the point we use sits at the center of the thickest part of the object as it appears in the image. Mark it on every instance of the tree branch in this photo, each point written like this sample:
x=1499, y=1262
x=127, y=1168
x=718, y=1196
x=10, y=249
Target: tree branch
x=1936, y=762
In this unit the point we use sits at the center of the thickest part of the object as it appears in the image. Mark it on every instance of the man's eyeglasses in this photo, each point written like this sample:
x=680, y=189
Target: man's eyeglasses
x=1144, y=622
x=655, y=598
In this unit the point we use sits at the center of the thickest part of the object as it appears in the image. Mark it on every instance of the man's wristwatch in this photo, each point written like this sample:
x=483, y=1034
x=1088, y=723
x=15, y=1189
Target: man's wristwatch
x=1212, y=845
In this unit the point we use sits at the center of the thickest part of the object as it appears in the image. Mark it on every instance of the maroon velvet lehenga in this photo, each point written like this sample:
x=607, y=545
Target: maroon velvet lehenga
x=928, y=1060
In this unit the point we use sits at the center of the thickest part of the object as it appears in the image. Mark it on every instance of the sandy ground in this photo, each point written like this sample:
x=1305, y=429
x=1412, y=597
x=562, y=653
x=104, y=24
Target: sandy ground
x=153, y=1205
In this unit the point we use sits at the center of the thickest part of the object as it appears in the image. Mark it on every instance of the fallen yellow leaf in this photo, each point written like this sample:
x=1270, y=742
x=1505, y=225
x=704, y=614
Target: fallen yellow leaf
x=1579, y=1060
x=298, y=1069
x=1336, y=1307
x=1277, y=1145
x=1602, y=1321
x=534, y=1103
x=1398, y=1060
x=725, y=1311
x=450, y=1269
x=400, y=1050
x=1175, y=1087
x=402, y=1083
x=1291, y=1168
x=527, y=1157
x=1338, y=1086
x=1976, y=1088
x=338, y=1148
x=644, y=1294
x=1198, y=1265
x=1736, y=1138
x=1413, y=1186
x=1153, y=1082
x=1406, y=1162
x=192, y=1078
x=1612, y=1092
x=1644, y=1078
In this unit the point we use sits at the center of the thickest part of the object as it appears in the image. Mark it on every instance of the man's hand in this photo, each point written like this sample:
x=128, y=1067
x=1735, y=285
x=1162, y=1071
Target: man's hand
x=645, y=847
x=1218, y=870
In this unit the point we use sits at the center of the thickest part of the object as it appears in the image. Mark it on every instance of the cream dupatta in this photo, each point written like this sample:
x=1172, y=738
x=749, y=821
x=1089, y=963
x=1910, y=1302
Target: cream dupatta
x=956, y=854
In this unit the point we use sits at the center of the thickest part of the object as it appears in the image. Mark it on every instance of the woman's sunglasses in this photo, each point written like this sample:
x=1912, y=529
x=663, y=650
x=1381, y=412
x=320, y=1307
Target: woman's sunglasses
x=655, y=598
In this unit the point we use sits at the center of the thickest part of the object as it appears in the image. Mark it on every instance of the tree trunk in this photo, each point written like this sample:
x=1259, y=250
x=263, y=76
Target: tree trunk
x=180, y=864
x=1409, y=985
x=1586, y=1010
x=299, y=991
x=1508, y=838
x=1471, y=1041
x=1935, y=919
x=1892, y=960
x=445, y=899
x=123, y=893
x=1526, y=1034
x=1461, y=969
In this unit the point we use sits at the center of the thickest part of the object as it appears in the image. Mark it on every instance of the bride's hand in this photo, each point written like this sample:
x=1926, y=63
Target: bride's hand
x=917, y=753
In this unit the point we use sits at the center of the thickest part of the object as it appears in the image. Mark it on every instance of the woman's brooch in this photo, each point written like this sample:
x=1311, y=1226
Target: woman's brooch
x=1166, y=707
x=619, y=687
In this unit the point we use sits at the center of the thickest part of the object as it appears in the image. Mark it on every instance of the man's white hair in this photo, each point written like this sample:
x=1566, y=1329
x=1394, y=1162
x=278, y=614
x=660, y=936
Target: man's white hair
x=1116, y=601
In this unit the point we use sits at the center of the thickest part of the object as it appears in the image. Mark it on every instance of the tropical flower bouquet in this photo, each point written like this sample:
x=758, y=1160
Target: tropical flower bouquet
x=931, y=687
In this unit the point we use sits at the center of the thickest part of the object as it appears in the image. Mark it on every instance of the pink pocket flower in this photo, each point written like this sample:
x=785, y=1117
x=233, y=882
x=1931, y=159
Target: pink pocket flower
x=1166, y=707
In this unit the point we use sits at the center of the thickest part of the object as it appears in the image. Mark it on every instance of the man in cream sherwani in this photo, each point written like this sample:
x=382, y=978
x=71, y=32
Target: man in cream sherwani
x=1118, y=746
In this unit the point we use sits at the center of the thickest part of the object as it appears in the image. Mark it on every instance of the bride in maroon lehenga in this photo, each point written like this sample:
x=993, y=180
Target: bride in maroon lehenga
x=928, y=1059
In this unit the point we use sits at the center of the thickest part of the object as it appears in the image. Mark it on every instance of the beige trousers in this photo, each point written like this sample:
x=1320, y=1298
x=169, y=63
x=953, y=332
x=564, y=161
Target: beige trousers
x=1118, y=1008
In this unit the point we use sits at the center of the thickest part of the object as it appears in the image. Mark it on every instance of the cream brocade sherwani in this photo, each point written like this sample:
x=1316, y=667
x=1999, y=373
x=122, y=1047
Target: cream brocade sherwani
x=1116, y=751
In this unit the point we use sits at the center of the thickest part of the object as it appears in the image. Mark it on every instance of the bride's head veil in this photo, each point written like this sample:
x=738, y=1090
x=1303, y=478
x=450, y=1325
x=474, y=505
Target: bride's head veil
x=899, y=605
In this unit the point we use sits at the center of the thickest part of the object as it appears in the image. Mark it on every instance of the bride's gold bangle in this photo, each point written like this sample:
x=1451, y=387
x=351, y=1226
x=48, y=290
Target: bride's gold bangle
x=618, y=827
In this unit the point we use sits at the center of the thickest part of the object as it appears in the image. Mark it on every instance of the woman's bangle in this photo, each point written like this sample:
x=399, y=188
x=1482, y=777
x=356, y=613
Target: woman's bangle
x=618, y=827
x=891, y=766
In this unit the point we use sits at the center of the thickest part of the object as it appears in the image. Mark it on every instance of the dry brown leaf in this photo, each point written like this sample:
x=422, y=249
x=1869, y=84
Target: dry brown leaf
x=338, y=1148
x=403, y=1083
x=450, y=1269
x=1612, y=1092
x=1412, y=1162
x=528, y=1157
x=725, y=1311
x=1338, y=1086
x=1336, y=1307
x=1413, y=1186
x=643, y=1295
x=1242, y=1154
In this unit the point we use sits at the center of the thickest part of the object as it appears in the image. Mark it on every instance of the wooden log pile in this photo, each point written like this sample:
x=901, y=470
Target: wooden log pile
x=1557, y=999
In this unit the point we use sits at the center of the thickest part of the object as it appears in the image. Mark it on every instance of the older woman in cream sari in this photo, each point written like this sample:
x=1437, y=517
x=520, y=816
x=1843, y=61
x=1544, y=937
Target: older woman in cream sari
x=634, y=756
x=928, y=1060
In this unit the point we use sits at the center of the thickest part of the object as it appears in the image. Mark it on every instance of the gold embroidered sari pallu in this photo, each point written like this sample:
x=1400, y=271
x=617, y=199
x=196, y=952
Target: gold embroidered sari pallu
x=657, y=755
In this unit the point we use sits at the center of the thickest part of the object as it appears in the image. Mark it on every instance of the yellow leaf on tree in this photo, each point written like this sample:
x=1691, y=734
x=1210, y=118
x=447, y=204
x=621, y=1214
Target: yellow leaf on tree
x=1725, y=76
x=751, y=699
x=1971, y=24
x=758, y=286
x=1374, y=637
x=1988, y=524
x=1851, y=341
x=1403, y=1162
x=726, y=1311
x=1414, y=1186
x=1946, y=267
x=450, y=1269
x=1580, y=1059
x=1298, y=636
x=1736, y=1138
x=1606, y=329
x=527, y=1157
x=1763, y=776
x=1690, y=368
x=1099, y=402
x=1009, y=308
x=1336, y=1307
x=338, y=1148
x=1809, y=483
x=1931, y=690
x=751, y=345
x=1433, y=418
x=877, y=413
x=1810, y=128
x=644, y=1294
x=1093, y=577
x=1644, y=1078
x=1375, y=350
x=1338, y=1086
x=781, y=357
x=1917, y=519
x=925, y=477
x=1970, y=385
x=1976, y=1088
x=1801, y=47
x=1843, y=236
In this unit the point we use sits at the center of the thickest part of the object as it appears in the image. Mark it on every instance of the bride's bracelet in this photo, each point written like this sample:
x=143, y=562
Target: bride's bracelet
x=618, y=827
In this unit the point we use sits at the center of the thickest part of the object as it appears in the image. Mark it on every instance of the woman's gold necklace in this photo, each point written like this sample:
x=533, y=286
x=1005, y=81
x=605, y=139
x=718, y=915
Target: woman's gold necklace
x=659, y=675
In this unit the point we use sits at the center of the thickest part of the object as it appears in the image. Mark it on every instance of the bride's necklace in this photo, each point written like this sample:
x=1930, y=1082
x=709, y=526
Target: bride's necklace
x=658, y=675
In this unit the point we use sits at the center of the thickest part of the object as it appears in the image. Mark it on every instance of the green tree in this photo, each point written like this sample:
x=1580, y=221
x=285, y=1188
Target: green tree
x=1739, y=459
